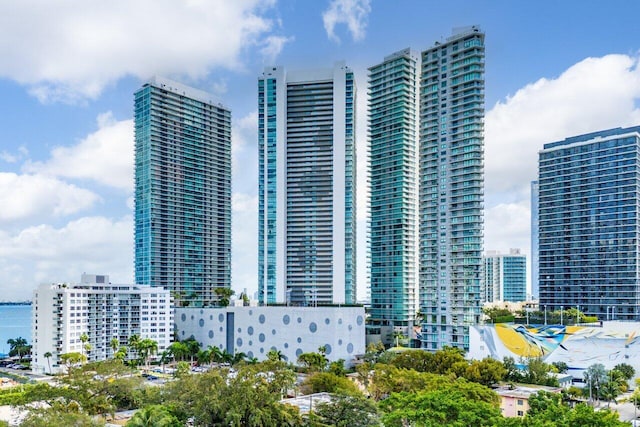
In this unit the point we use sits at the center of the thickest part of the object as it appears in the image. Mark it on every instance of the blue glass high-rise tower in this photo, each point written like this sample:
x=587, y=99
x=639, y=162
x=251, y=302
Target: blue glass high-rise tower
x=393, y=131
x=307, y=186
x=451, y=188
x=182, y=191
x=505, y=277
x=589, y=224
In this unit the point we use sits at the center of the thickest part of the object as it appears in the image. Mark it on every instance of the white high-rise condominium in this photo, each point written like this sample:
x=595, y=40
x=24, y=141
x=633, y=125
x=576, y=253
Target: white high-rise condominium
x=104, y=312
x=393, y=131
x=307, y=186
x=451, y=187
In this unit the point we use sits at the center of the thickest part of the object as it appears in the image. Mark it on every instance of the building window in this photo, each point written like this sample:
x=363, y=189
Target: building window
x=520, y=402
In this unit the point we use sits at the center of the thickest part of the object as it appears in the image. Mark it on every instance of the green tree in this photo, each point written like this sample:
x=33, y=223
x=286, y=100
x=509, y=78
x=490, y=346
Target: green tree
x=337, y=368
x=627, y=371
x=513, y=373
x=547, y=409
x=71, y=359
x=561, y=367
x=537, y=372
x=48, y=355
x=327, y=382
x=18, y=347
x=84, y=339
x=487, y=371
x=275, y=355
x=249, y=398
x=178, y=350
x=595, y=377
x=438, y=407
x=419, y=360
x=154, y=416
x=313, y=362
x=347, y=411
x=146, y=348
x=224, y=296
x=114, y=344
x=193, y=346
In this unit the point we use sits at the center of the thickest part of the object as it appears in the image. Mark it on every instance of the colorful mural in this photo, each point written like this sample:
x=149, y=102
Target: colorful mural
x=577, y=346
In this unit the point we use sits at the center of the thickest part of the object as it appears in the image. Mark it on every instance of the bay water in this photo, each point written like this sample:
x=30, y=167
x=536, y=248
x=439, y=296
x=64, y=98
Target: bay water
x=15, y=321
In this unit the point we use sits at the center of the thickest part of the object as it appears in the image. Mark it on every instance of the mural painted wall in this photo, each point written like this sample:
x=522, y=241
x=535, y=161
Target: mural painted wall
x=578, y=346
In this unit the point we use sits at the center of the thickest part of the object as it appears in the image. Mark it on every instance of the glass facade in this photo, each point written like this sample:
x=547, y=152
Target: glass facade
x=393, y=152
x=504, y=277
x=451, y=188
x=589, y=224
x=307, y=186
x=182, y=192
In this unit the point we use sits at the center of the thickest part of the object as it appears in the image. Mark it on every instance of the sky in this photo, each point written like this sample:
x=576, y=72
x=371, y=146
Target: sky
x=69, y=70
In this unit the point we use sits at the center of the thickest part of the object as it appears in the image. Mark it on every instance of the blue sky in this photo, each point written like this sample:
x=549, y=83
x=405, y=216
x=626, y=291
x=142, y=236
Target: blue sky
x=69, y=69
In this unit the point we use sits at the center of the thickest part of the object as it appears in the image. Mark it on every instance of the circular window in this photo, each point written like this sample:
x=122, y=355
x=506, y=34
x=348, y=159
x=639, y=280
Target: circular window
x=349, y=348
x=210, y=334
x=239, y=342
x=261, y=319
x=327, y=348
x=299, y=340
x=359, y=320
x=313, y=327
x=250, y=354
x=298, y=352
x=239, y=330
x=327, y=321
x=183, y=317
x=250, y=330
x=261, y=337
x=201, y=322
x=273, y=332
x=285, y=319
x=220, y=317
x=299, y=319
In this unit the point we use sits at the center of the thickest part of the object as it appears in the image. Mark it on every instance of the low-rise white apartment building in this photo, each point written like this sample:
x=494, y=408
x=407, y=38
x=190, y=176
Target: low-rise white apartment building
x=62, y=313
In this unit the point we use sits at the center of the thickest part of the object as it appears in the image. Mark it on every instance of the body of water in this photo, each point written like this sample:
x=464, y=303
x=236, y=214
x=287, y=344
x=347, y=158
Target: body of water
x=15, y=321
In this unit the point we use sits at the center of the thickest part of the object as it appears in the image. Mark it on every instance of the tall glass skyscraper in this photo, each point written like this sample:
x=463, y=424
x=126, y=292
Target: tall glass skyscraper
x=307, y=186
x=393, y=131
x=451, y=187
x=183, y=191
x=589, y=224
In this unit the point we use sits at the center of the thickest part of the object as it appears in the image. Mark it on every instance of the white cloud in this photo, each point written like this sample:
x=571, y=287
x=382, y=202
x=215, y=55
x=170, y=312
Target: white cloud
x=44, y=254
x=244, y=256
x=594, y=94
x=8, y=157
x=272, y=47
x=353, y=13
x=71, y=51
x=25, y=197
x=104, y=156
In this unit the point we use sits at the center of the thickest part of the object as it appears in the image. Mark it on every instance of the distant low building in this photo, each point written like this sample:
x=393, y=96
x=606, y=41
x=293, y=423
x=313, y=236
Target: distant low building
x=291, y=330
x=62, y=313
x=514, y=400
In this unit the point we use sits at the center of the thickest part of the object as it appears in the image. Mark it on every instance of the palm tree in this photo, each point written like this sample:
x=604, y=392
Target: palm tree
x=84, y=338
x=153, y=416
x=48, y=356
x=193, y=347
x=204, y=357
x=147, y=348
x=238, y=357
x=275, y=355
x=114, y=344
x=17, y=346
x=216, y=353
x=133, y=342
x=164, y=357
